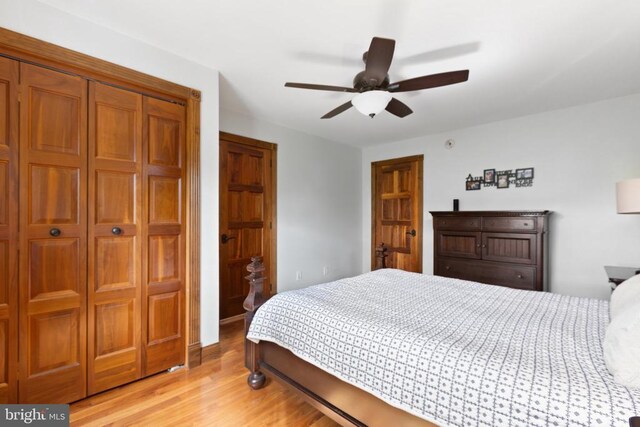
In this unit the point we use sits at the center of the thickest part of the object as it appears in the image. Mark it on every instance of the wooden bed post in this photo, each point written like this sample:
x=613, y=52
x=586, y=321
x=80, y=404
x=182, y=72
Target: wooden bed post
x=254, y=300
x=381, y=256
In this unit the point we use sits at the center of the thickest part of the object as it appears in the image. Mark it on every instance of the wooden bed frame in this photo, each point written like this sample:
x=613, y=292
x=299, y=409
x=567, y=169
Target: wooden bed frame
x=341, y=401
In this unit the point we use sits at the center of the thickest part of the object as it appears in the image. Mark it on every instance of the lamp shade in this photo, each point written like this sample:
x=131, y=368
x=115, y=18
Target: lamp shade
x=371, y=102
x=628, y=196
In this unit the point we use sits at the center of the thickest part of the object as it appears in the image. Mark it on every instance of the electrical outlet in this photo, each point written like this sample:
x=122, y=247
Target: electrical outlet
x=325, y=270
x=298, y=275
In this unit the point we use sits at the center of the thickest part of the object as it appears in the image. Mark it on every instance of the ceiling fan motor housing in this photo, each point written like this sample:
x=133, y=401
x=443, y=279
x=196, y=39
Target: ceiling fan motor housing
x=361, y=84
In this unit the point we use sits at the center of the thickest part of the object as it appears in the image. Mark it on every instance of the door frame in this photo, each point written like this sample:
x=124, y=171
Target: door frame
x=420, y=159
x=273, y=230
x=27, y=49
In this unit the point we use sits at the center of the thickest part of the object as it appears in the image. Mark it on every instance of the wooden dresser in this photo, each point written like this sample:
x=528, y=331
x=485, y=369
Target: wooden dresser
x=506, y=248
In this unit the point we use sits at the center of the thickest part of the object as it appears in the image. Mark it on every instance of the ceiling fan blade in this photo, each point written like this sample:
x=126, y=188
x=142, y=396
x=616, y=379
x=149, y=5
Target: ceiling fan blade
x=426, y=82
x=398, y=108
x=320, y=87
x=336, y=111
x=379, y=58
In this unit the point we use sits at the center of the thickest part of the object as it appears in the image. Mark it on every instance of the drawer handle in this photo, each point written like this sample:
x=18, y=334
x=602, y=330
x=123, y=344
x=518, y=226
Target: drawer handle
x=55, y=232
x=447, y=267
x=519, y=276
x=478, y=245
x=484, y=246
x=526, y=224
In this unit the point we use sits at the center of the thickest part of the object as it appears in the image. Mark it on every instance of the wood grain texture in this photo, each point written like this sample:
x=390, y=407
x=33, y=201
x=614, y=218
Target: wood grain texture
x=9, y=150
x=41, y=52
x=193, y=228
x=396, y=211
x=53, y=244
x=57, y=141
x=247, y=216
x=163, y=271
x=114, y=352
x=213, y=394
x=506, y=248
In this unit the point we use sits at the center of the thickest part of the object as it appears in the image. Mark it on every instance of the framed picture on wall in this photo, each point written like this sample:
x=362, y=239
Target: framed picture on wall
x=503, y=181
x=489, y=176
x=472, y=185
x=525, y=173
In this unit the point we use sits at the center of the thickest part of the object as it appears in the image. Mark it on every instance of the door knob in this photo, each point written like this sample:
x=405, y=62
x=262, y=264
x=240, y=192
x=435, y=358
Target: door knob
x=116, y=231
x=55, y=232
x=224, y=238
x=412, y=232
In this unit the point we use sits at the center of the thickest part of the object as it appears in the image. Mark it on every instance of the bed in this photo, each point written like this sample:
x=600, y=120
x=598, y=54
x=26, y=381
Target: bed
x=396, y=348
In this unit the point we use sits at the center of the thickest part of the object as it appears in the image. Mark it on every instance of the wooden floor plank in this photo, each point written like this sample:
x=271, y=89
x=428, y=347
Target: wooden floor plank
x=213, y=394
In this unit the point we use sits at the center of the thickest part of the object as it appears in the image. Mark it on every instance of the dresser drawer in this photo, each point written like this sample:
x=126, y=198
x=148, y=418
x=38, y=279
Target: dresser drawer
x=508, y=224
x=460, y=223
x=519, y=277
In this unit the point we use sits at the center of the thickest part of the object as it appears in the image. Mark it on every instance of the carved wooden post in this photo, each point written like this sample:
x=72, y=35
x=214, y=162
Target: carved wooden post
x=381, y=256
x=253, y=301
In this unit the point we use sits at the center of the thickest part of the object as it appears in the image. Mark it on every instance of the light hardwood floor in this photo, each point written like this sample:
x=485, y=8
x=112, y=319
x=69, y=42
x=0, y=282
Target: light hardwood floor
x=213, y=394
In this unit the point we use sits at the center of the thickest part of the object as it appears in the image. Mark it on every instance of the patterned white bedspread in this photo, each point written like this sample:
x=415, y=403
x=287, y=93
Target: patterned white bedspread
x=453, y=352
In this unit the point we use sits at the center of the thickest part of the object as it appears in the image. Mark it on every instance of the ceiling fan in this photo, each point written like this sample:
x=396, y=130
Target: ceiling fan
x=372, y=87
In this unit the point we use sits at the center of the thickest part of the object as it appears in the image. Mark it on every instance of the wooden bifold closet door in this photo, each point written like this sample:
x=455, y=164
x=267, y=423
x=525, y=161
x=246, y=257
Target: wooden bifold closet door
x=53, y=238
x=101, y=211
x=115, y=228
x=164, y=210
x=9, y=72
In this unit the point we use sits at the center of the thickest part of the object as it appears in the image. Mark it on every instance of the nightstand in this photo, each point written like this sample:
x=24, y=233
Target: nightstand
x=618, y=275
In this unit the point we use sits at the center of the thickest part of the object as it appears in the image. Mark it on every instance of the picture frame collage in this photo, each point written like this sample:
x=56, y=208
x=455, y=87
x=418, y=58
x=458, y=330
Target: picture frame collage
x=501, y=179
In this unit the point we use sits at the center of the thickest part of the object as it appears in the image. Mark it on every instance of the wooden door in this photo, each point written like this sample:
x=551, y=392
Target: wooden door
x=53, y=175
x=9, y=71
x=397, y=212
x=163, y=251
x=114, y=352
x=246, y=217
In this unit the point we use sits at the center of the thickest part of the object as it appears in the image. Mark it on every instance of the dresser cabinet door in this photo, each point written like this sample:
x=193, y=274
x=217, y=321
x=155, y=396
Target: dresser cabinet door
x=461, y=244
x=9, y=71
x=53, y=241
x=509, y=247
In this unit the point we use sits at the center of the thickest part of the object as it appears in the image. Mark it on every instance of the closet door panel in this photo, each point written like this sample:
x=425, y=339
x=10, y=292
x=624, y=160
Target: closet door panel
x=164, y=274
x=53, y=173
x=9, y=72
x=115, y=156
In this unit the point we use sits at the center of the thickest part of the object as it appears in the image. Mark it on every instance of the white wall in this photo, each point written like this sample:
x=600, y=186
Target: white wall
x=47, y=23
x=578, y=154
x=319, y=196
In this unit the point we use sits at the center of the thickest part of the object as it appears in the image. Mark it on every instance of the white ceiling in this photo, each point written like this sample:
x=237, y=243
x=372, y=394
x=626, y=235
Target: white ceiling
x=524, y=56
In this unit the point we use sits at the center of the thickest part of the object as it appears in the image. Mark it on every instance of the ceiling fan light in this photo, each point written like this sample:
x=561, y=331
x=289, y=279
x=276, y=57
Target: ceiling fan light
x=371, y=102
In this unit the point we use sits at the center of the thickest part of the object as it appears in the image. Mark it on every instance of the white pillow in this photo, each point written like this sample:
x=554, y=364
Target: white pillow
x=622, y=347
x=625, y=295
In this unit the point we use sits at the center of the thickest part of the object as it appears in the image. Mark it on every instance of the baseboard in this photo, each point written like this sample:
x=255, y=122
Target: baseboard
x=211, y=351
x=232, y=319
x=195, y=355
